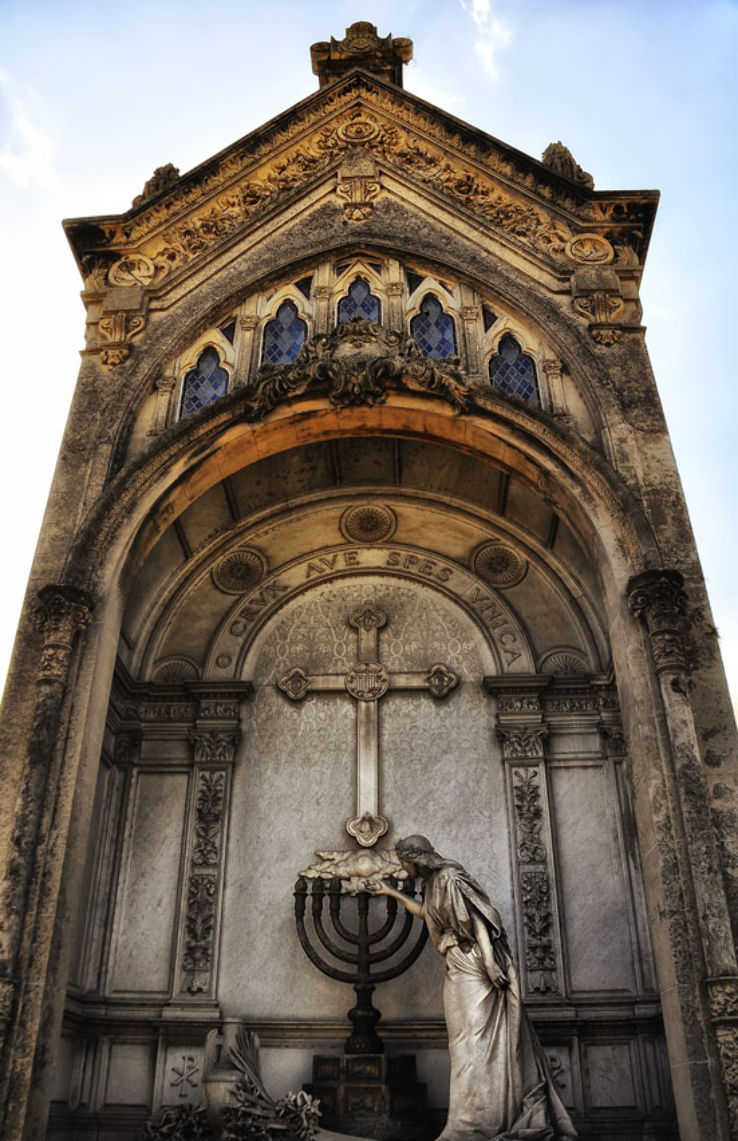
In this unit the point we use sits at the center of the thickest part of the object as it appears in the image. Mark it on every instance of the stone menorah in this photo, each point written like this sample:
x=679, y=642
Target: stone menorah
x=361, y=948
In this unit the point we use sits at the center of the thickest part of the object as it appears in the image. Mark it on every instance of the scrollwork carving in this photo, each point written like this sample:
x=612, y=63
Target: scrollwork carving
x=359, y=363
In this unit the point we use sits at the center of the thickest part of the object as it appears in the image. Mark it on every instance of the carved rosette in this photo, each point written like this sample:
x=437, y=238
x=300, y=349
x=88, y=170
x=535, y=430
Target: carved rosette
x=214, y=752
x=60, y=614
x=657, y=598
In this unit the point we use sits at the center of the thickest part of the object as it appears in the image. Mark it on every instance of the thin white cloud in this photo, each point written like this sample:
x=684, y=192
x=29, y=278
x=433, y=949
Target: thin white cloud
x=27, y=152
x=494, y=34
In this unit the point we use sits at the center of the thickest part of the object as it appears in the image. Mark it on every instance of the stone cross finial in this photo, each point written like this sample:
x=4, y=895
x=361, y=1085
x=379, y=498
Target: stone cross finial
x=361, y=47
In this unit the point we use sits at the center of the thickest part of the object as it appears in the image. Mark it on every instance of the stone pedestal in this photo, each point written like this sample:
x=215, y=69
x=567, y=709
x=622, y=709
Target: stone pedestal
x=371, y=1095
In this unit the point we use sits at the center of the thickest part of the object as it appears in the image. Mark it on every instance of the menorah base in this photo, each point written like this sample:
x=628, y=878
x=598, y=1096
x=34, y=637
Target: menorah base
x=372, y=1096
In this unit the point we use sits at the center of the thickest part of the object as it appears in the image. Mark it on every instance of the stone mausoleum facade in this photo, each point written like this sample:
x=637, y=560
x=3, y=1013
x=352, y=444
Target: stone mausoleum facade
x=365, y=523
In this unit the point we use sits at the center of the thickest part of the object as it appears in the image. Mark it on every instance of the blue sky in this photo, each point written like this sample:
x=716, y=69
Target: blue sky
x=94, y=96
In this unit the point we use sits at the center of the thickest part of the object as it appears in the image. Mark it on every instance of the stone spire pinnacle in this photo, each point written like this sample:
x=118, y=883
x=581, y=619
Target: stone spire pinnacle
x=361, y=47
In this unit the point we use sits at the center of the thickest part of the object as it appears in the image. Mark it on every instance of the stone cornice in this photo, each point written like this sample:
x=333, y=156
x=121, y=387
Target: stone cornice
x=509, y=190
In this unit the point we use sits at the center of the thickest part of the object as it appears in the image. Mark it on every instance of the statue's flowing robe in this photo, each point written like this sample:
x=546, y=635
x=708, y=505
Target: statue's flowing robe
x=501, y=1086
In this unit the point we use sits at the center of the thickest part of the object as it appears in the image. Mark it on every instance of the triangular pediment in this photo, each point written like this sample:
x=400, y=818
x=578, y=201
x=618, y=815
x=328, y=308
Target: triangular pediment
x=361, y=134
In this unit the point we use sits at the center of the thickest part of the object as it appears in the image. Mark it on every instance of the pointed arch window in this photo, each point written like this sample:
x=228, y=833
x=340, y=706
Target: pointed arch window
x=514, y=371
x=433, y=330
x=284, y=336
x=203, y=384
x=359, y=302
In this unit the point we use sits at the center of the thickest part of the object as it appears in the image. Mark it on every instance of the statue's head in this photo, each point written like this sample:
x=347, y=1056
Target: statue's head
x=417, y=854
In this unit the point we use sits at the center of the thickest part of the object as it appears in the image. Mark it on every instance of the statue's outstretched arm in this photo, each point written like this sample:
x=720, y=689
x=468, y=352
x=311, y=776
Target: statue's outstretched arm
x=379, y=887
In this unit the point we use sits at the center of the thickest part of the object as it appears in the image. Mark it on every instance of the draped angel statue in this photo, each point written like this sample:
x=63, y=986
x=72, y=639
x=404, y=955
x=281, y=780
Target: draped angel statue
x=501, y=1086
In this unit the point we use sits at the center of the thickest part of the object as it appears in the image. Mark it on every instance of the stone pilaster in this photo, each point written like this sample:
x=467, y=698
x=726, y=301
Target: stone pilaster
x=657, y=599
x=214, y=740
x=522, y=731
x=164, y=388
x=60, y=615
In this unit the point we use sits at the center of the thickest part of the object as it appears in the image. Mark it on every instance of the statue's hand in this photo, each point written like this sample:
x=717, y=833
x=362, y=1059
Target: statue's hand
x=374, y=887
x=498, y=977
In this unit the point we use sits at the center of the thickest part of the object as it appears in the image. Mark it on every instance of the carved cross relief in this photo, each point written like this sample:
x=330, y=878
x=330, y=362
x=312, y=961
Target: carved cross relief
x=367, y=682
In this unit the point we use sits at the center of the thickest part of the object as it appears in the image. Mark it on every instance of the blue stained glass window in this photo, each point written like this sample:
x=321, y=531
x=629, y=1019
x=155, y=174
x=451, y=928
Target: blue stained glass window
x=359, y=302
x=433, y=330
x=284, y=336
x=514, y=371
x=206, y=382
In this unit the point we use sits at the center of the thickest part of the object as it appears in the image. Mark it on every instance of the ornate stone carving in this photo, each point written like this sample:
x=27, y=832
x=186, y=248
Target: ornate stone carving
x=209, y=816
x=60, y=613
x=441, y=680
x=368, y=619
x=599, y=306
x=216, y=746
x=295, y=684
x=368, y=681
x=727, y=1042
x=529, y=814
x=185, y=1075
x=368, y=523
x=723, y=997
x=590, y=249
x=522, y=742
x=559, y=158
x=367, y=829
x=499, y=565
x=657, y=598
x=563, y=663
x=540, y=959
x=127, y=747
x=197, y=960
x=172, y=671
x=205, y=862
x=358, y=363
x=612, y=740
x=162, y=178
x=352, y=868
x=361, y=47
x=358, y=192
x=119, y=329
x=239, y=570
x=132, y=269
x=518, y=703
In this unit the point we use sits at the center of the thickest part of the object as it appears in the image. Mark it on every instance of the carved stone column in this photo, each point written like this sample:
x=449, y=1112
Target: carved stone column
x=522, y=731
x=321, y=295
x=164, y=387
x=553, y=369
x=246, y=350
x=395, y=303
x=658, y=600
x=28, y=894
x=471, y=333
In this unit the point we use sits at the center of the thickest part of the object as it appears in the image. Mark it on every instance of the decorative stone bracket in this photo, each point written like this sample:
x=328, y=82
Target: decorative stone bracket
x=597, y=296
x=123, y=318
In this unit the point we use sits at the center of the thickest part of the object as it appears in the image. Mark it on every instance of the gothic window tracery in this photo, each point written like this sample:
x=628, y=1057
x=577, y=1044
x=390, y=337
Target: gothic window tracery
x=433, y=329
x=359, y=302
x=203, y=384
x=284, y=336
x=513, y=371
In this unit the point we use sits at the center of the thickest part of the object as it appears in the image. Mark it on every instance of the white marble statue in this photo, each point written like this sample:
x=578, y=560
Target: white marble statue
x=501, y=1086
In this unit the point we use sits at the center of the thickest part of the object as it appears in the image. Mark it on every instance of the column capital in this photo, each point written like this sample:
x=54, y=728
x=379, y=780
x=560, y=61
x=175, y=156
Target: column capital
x=657, y=598
x=59, y=614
